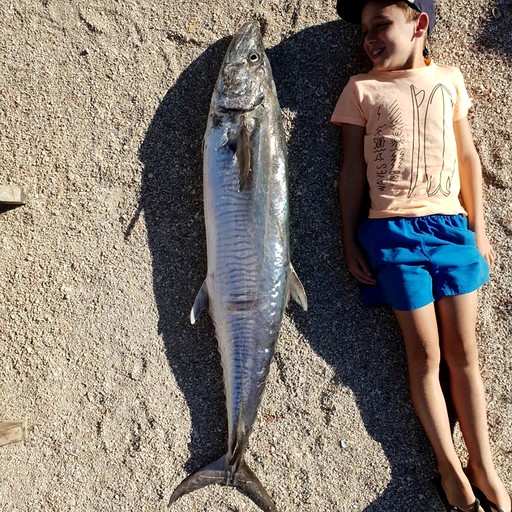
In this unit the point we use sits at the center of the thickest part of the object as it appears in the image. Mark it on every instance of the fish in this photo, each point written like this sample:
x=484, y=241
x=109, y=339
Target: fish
x=250, y=278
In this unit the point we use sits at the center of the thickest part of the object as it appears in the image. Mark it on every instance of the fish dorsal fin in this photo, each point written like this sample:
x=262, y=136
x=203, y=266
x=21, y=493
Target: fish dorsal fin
x=200, y=303
x=297, y=290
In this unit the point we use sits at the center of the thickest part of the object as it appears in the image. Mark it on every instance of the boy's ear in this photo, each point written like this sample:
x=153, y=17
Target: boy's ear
x=422, y=23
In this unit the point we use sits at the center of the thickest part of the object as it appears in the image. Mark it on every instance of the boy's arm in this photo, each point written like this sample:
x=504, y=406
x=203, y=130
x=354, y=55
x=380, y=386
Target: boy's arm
x=470, y=171
x=352, y=190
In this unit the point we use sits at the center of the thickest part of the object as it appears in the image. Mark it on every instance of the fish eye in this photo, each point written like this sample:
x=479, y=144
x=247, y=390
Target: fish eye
x=254, y=57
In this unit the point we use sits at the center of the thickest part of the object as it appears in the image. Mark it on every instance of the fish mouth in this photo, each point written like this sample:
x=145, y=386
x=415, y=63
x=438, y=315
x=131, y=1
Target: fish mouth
x=242, y=106
x=249, y=30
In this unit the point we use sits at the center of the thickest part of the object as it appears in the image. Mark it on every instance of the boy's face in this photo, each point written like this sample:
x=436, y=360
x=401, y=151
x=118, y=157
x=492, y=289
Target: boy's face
x=390, y=40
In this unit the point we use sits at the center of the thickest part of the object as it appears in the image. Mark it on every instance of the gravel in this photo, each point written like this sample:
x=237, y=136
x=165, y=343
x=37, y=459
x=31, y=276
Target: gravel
x=103, y=108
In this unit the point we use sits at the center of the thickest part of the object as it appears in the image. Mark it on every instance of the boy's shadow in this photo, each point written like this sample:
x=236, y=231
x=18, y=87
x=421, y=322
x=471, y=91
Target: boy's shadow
x=364, y=348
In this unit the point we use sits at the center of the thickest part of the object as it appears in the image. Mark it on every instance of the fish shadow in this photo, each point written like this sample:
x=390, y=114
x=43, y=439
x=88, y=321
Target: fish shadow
x=171, y=201
x=363, y=347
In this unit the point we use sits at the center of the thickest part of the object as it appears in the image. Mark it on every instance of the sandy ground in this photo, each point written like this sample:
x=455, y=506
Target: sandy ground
x=103, y=107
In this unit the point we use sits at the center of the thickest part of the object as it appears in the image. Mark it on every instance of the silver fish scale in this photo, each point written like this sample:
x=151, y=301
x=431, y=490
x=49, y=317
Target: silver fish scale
x=244, y=289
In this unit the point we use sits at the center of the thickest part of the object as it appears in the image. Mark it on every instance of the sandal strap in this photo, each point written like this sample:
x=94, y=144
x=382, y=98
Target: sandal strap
x=475, y=508
x=481, y=496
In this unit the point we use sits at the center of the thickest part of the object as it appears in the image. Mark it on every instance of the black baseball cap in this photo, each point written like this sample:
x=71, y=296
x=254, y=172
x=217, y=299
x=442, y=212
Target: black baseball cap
x=350, y=10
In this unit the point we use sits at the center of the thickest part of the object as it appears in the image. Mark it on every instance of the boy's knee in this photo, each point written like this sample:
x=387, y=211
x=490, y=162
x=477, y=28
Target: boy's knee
x=423, y=361
x=460, y=354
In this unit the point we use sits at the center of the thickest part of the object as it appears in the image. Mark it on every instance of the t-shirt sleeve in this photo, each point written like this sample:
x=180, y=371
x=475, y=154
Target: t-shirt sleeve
x=463, y=103
x=348, y=108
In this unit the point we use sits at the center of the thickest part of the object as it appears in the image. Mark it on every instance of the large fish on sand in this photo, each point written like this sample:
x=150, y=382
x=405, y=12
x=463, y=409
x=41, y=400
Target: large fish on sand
x=250, y=277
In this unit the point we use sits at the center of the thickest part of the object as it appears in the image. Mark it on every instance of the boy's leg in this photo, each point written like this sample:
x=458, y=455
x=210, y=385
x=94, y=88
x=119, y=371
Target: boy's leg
x=457, y=321
x=420, y=332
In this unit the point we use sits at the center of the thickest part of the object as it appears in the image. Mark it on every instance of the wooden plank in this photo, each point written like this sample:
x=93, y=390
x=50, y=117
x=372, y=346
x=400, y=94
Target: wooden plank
x=12, y=195
x=13, y=432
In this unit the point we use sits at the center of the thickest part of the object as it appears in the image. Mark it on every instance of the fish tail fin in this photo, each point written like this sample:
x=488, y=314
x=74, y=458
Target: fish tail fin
x=246, y=481
x=218, y=472
x=213, y=473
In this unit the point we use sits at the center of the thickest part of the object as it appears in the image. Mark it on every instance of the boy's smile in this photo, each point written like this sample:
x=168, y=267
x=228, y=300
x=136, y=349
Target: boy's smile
x=390, y=40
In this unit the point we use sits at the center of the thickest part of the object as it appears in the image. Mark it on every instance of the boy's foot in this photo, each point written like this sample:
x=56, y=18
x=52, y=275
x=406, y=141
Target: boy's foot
x=493, y=492
x=487, y=504
x=472, y=504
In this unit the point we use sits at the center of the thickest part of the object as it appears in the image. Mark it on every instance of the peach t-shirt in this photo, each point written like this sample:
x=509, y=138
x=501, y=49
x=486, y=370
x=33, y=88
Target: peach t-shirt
x=409, y=146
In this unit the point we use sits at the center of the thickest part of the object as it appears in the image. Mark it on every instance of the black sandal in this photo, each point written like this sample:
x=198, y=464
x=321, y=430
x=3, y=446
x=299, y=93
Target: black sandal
x=438, y=487
x=487, y=504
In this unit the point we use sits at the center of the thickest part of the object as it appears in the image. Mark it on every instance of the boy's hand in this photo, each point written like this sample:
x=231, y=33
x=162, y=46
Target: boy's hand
x=485, y=248
x=358, y=266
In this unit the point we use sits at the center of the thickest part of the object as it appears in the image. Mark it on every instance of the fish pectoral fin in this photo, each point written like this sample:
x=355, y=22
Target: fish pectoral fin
x=297, y=290
x=200, y=303
x=243, y=156
x=239, y=142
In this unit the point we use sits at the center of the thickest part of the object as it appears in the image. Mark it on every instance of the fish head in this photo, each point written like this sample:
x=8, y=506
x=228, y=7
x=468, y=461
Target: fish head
x=245, y=74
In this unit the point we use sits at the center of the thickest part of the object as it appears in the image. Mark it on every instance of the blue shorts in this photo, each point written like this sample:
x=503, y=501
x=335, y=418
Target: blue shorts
x=418, y=260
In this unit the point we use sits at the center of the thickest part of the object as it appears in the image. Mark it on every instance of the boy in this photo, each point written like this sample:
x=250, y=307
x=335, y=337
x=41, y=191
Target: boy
x=407, y=137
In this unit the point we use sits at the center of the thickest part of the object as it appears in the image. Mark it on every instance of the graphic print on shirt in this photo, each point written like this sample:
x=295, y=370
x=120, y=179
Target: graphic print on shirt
x=388, y=168
x=439, y=181
x=429, y=116
x=440, y=100
x=417, y=100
